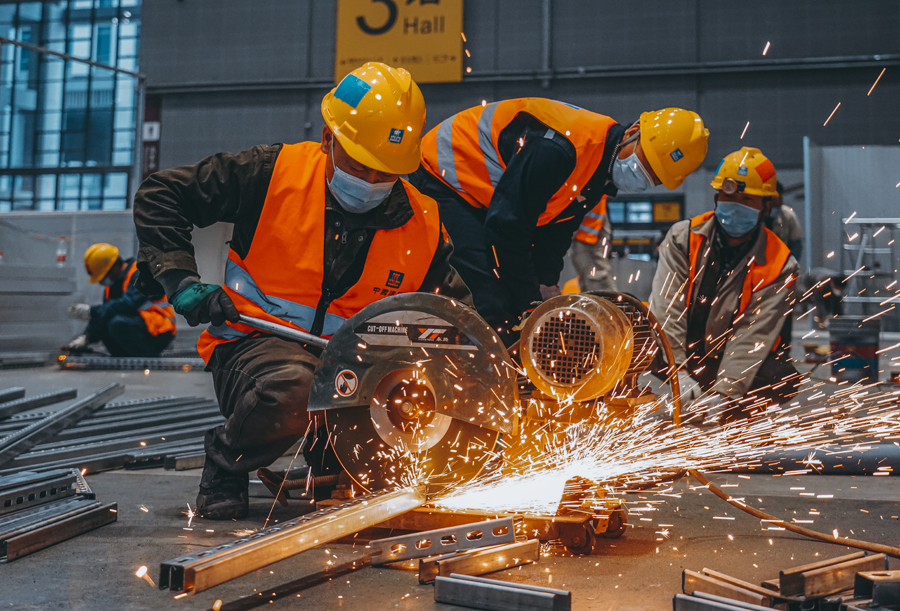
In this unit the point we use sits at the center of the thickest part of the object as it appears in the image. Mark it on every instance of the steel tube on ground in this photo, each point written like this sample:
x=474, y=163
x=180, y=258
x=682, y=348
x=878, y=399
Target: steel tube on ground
x=205, y=569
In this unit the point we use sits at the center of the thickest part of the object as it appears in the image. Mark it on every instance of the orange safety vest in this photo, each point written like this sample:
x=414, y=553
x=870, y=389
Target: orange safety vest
x=158, y=315
x=280, y=279
x=758, y=275
x=592, y=226
x=463, y=150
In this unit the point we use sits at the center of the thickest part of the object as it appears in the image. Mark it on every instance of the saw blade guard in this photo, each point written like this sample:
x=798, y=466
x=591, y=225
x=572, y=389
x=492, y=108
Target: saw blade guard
x=577, y=346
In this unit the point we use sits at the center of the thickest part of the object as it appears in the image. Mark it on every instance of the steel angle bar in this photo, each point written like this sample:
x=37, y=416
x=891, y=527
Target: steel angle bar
x=109, y=363
x=38, y=492
x=144, y=434
x=95, y=463
x=790, y=581
x=442, y=541
x=10, y=394
x=116, y=405
x=833, y=578
x=493, y=595
x=480, y=562
x=51, y=534
x=14, y=360
x=125, y=446
x=692, y=581
x=208, y=568
x=12, y=408
x=22, y=441
x=23, y=478
x=708, y=602
x=89, y=429
x=106, y=415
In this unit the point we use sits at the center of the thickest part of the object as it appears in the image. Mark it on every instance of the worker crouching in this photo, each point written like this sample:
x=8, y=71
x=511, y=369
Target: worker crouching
x=127, y=322
x=722, y=291
x=321, y=230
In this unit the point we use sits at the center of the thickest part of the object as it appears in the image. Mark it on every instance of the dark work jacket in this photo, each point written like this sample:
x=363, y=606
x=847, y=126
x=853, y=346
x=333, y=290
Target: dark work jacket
x=232, y=188
x=123, y=301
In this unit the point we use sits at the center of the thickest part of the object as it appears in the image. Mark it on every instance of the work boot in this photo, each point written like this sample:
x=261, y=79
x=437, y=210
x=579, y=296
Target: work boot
x=223, y=495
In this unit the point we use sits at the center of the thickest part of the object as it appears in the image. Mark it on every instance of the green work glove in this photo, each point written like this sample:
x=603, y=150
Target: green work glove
x=202, y=303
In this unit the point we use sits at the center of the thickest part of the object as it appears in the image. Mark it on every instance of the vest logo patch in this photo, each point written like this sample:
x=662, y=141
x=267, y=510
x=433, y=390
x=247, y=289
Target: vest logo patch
x=396, y=136
x=676, y=154
x=394, y=280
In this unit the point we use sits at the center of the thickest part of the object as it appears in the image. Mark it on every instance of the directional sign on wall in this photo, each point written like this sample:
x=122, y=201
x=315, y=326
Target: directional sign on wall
x=422, y=36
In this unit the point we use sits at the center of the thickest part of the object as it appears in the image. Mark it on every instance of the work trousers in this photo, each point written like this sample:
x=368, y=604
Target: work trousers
x=593, y=269
x=128, y=336
x=471, y=257
x=262, y=383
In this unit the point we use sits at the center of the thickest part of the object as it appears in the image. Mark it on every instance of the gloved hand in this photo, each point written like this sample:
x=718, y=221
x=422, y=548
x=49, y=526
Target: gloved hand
x=550, y=291
x=80, y=311
x=77, y=345
x=203, y=303
x=690, y=389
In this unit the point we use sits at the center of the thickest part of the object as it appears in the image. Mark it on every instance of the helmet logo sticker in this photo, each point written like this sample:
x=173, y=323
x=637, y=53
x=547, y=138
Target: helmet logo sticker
x=396, y=136
x=742, y=171
x=765, y=170
x=676, y=154
x=395, y=279
x=351, y=90
x=346, y=383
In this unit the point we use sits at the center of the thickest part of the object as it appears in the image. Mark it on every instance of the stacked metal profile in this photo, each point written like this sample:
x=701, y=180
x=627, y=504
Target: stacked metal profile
x=112, y=363
x=143, y=433
x=38, y=510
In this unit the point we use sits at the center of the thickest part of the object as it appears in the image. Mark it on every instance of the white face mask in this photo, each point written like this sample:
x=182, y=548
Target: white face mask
x=629, y=174
x=355, y=194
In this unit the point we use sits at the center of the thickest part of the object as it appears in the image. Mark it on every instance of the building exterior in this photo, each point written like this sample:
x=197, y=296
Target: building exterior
x=67, y=128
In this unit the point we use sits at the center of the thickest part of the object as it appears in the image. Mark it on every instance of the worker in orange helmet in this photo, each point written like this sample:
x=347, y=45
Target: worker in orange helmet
x=321, y=230
x=722, y=291
x=515, y=178
x=127, y=322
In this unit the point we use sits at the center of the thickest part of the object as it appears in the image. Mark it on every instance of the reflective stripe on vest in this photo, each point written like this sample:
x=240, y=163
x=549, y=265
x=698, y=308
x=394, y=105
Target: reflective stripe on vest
x=281, y=277
x=592, y=226
x=758, y=276
x=463, y=150
x=159, y=316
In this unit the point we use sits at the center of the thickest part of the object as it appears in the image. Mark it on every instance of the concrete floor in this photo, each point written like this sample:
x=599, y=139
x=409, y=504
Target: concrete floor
x=642, y=570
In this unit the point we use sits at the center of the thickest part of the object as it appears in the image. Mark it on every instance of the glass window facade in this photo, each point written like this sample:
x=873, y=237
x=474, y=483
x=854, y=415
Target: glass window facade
x=67, y=128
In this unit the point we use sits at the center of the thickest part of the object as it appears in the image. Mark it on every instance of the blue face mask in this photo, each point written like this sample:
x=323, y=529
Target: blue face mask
x=630, y=176
x=774, y=213
x=736, y=219
x=355, y=194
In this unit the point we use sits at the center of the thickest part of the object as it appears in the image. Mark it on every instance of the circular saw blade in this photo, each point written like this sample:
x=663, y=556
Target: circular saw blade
x=378, y=454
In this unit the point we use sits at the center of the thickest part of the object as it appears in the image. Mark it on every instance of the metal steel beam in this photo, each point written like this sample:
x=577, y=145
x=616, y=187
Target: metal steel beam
x=10, y=394
x=442, y=541
x=22, y=441
x=140, y=434
x=208, y=568
x=111, y=363
x=153, y=458
x=89, y=429
x=188, y=460
x=480, y=562
x=493, y=595
x=37, y=491
x=93, y=517
x=11, y=408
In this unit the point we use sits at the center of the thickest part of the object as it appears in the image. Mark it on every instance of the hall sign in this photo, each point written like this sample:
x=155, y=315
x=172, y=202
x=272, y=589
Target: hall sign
x=423, y=36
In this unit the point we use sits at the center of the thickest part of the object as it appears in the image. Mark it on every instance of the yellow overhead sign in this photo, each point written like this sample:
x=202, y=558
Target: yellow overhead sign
x=423, y=36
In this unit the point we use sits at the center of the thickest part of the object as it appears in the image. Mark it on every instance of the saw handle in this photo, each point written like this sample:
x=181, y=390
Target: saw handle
x=283, y=331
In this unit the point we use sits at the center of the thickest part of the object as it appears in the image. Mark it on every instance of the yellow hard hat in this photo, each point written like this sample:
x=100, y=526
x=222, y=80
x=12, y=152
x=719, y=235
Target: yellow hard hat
x=99, y=259
x=377, y=113
x=746, y=171
x=674, y=141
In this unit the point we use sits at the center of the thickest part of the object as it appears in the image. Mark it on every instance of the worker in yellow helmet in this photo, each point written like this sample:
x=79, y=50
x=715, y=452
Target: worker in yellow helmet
x=722, y=291
x=127, y=322
x=321, y=230
x=515, y=178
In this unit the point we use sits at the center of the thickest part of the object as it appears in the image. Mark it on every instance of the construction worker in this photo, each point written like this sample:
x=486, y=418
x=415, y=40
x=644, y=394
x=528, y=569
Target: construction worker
x=783, y=222
x=590, y=250
x=722, y=291
x=515, y=178
x=321, y=230
x=127, y=323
